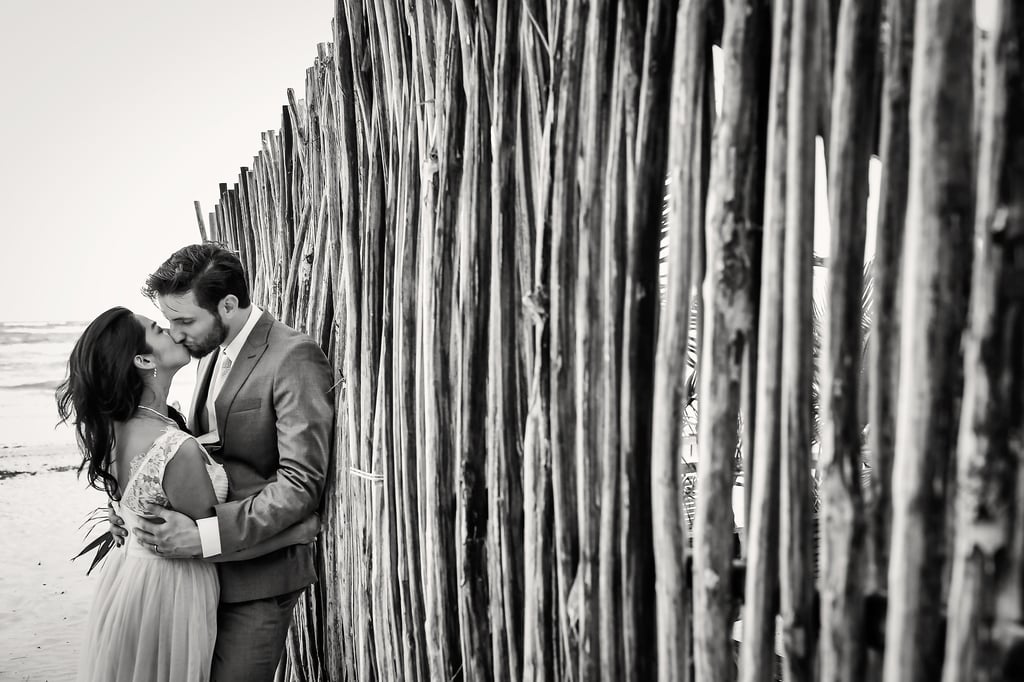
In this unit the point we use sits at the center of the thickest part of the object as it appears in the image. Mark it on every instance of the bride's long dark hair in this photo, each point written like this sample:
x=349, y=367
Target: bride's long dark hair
x=103, y=386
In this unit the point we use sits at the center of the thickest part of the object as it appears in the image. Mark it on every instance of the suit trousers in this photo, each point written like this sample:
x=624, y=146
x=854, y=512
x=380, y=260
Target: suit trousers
x=251, y=637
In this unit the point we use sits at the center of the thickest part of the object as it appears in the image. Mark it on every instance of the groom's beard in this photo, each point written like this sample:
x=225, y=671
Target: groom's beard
x=205, y=345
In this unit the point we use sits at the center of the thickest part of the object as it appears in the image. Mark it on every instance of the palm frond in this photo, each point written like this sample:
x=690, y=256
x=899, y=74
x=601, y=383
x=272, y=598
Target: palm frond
x=97, y=517
x=819, y=311
x=103, y=543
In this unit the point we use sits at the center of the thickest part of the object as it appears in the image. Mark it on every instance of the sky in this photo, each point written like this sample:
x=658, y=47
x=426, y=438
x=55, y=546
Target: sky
x=117, y=116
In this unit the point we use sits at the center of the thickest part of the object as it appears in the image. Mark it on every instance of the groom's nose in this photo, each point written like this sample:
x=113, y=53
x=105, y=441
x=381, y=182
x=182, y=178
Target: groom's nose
x=177, y=335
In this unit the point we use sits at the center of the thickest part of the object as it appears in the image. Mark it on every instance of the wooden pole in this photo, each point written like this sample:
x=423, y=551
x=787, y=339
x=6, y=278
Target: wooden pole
x=796, y=567
x=757, y=654
x=842, y=507
x=504, y=432
x=883, y=359
x=436, y=282
x=535, y=120
x=590, y=366
x=613, y=228
x=734, y=209
x=199, y=219
x=645, y=174
x=473, y=244
x=685, y=218
x=983, y=636
x=563, y=217
x=935, y=280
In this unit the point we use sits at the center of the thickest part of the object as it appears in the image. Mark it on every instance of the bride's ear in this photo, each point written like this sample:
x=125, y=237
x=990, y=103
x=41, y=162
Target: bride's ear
x=143, y=362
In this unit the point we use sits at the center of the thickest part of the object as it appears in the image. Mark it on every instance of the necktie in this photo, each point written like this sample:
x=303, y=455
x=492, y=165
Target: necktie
x=216, y=383
x=222, y=374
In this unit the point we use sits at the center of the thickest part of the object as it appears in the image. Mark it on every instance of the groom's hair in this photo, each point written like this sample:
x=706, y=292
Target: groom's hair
x=208, y=270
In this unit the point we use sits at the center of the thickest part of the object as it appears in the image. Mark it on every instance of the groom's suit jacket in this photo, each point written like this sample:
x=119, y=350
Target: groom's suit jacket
x=275, y=417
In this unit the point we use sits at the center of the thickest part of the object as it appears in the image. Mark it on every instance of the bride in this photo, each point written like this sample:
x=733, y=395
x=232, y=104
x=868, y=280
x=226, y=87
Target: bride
x=152, y=618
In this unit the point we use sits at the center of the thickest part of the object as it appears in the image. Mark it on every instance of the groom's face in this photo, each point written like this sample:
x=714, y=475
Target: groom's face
x=191, y=325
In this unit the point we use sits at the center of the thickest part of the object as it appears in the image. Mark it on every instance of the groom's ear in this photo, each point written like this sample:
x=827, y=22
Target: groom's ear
x=228, y=304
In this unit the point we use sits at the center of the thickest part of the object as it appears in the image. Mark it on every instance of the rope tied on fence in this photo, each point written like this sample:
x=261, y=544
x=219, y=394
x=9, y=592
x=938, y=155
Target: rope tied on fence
x=366, y=475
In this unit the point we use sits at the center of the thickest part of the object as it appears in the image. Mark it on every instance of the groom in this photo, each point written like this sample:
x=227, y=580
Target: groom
x=264, y=409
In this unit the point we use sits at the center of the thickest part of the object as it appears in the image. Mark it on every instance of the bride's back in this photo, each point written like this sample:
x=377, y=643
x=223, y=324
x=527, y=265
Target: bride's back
x=133, y=438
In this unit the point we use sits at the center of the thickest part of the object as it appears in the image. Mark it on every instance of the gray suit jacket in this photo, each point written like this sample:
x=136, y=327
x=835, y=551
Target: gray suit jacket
x=275, y=417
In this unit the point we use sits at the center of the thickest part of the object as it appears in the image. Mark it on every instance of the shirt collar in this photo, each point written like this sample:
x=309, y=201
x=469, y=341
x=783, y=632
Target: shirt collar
x=235, y=347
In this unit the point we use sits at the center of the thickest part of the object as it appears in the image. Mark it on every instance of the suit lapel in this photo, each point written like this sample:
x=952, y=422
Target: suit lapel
x=202, y=389
x=246, y=362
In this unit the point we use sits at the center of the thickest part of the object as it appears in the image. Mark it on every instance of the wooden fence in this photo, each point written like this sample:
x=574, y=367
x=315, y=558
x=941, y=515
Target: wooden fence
x=468, y=210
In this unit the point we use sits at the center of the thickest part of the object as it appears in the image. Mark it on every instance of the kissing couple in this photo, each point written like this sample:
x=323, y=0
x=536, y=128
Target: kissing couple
x=215, y=522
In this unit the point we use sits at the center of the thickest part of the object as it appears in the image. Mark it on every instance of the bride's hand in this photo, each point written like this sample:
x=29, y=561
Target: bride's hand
x=117, y=529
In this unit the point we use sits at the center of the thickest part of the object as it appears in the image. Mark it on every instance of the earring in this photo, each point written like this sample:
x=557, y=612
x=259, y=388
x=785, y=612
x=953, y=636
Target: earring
x=154, y=372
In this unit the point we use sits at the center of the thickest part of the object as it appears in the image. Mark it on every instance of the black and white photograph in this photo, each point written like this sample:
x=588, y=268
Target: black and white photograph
x=512, y=340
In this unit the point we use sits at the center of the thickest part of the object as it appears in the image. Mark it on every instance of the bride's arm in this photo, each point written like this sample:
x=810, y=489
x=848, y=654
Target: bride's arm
x=186, y=483
x=190, y=492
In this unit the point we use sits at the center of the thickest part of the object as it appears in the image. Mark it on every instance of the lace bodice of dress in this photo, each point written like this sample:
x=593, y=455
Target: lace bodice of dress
x=146, y=474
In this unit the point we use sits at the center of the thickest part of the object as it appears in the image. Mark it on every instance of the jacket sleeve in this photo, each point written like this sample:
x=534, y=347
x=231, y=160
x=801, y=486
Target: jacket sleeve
x=304, y=414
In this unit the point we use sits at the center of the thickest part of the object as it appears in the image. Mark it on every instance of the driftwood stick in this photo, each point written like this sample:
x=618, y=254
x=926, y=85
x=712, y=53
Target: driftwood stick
x=796, y=567
x=842, y=506
x=202, y=223
x=563, y=218
x=645, y=182
x=734, y=213
x=504, y=514
x=984, y=637
x=594, y=113
x=935, y=284
x=613, y=217
x=685, y=217
x=758, y=651
x=883, y=352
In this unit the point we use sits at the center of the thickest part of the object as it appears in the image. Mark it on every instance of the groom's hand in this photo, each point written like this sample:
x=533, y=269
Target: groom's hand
x=168, y=533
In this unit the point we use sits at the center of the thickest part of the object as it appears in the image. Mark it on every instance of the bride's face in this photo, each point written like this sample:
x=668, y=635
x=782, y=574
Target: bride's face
x=168, y=355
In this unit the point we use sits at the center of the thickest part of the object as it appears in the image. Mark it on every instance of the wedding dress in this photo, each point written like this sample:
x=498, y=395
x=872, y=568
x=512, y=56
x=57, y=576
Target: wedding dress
x=153, y=619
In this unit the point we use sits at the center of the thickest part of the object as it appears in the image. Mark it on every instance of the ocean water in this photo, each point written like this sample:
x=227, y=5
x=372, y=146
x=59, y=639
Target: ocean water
x=33, y=362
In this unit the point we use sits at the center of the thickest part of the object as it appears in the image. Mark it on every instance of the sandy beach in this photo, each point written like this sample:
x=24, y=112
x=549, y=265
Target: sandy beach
x=44, y=596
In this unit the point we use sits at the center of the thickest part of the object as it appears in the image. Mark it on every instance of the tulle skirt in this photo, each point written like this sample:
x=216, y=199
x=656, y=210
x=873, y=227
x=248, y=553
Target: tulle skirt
x=152, y=620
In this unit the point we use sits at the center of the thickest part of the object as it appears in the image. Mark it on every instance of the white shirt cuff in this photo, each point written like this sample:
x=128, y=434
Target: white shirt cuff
x=209, y=536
